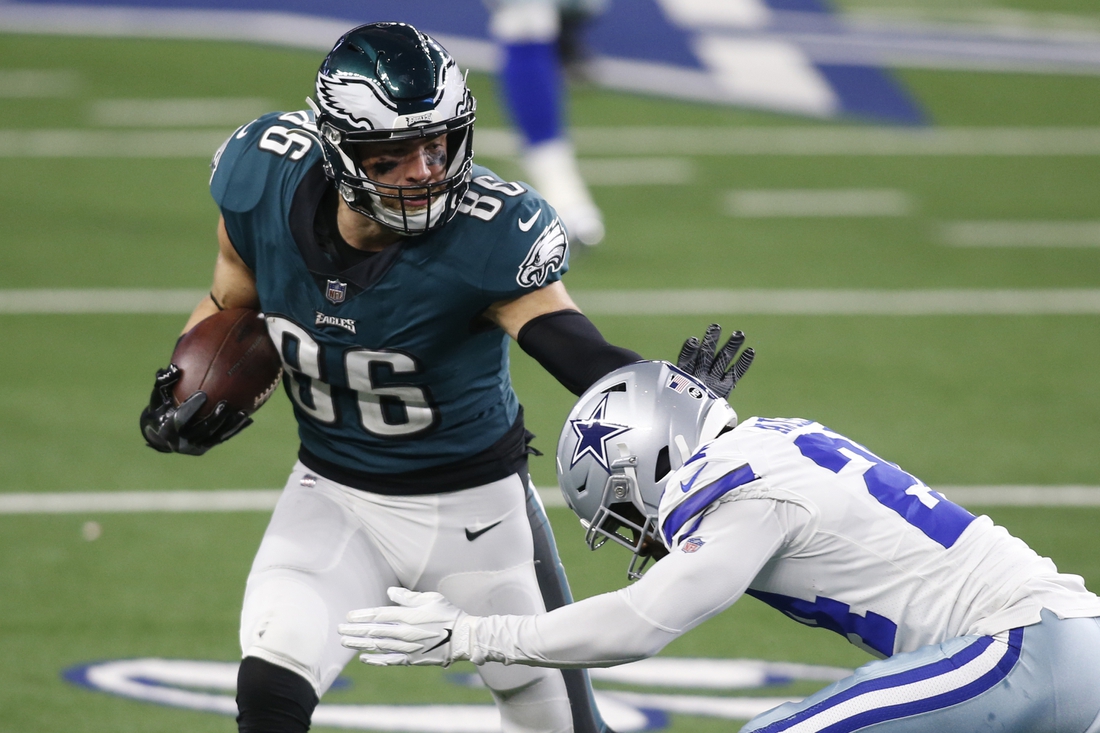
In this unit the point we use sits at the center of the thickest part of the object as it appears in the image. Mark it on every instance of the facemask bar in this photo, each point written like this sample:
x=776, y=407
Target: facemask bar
x=621, y=487
x=362, y=194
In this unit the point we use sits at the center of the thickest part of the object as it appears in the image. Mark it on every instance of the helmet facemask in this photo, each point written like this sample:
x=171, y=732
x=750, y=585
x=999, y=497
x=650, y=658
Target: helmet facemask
x=393, y=205
x=621, y=508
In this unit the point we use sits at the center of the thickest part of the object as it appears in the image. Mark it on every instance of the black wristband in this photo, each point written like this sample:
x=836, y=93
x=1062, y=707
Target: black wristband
x=571, y=348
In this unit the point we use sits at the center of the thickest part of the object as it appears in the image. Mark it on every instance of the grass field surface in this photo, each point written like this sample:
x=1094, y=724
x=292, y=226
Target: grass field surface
x=954, y=399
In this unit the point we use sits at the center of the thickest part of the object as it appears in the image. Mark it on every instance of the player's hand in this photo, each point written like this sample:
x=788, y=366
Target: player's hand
x=698, y=359
x=171, y=429
x=422, y=629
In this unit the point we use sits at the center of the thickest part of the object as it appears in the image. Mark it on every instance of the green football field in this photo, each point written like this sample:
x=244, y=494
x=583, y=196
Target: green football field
x=959, y=400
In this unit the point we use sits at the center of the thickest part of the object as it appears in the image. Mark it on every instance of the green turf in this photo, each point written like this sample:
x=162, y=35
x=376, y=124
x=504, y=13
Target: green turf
x=955, y=400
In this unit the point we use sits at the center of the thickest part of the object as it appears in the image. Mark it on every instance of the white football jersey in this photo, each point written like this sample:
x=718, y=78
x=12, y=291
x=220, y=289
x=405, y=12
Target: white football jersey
x=873, y=553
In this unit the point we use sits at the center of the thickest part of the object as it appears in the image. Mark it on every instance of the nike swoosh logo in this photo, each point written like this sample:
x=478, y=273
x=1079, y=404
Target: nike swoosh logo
x=471, y=536
x=525, y=226
x=691, y=481
x=446, y=639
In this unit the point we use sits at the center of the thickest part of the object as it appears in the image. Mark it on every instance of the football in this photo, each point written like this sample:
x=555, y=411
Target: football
x=230, y=357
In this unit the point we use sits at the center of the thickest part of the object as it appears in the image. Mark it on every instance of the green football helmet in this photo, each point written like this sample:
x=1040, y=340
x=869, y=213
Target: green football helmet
x=386, y=82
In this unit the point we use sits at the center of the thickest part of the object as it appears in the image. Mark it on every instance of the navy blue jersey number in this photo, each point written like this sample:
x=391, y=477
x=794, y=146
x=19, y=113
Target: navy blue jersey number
x=921, y=507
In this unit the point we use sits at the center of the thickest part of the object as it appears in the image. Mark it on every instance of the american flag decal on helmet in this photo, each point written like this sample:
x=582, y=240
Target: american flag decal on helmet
x=677, y=383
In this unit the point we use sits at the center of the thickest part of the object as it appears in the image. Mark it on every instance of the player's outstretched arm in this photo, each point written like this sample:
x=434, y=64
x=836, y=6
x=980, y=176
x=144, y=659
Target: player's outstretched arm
x=676, y=595
x=171, y=428
x=549, y=326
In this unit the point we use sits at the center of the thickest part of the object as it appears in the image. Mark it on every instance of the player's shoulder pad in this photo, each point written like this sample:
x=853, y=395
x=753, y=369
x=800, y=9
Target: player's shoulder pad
x=720, y=461
x=528, y=247
x=274, y=147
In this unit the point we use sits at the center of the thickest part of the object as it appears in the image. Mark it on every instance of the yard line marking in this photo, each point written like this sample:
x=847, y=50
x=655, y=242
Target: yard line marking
x=804, y=202
x=636, y=171
x=1022, y=495
x=37, y=83
x=625, y=141
x=196, y=112
x=111, y=143
x=97, y=301
x=1022, y=233
x=830, y=140
x=263, y=500
x=1057, y=302
x=840, y=302
x=229, y=500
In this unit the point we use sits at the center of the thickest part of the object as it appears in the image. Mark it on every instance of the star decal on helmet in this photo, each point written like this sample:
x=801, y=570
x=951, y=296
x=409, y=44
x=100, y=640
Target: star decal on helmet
x=593, y=434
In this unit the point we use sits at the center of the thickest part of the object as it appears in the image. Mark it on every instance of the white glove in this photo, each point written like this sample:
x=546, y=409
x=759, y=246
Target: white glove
x=422, y=629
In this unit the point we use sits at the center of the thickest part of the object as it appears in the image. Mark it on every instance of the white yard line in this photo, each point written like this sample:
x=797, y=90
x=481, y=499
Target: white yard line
x=840, y=302
x=1022, y=233
x=836, y=140
x=97, y=301
x=248, y=500
x=37, y=83
x=111, y=143
x=624, y=141
x=194, y=112
x=804, y=202
x=637, y=171
x=1059, y=302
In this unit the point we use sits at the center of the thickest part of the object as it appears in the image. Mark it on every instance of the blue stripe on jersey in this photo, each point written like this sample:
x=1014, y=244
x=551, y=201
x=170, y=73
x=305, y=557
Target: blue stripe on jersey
x=704, y=497
x=966, y=664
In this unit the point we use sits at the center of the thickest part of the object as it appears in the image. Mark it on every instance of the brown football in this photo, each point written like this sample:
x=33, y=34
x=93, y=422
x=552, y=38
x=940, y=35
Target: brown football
x=230, y=357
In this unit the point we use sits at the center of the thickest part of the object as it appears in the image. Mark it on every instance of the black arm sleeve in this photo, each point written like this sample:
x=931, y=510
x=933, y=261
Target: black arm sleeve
x=571, y=348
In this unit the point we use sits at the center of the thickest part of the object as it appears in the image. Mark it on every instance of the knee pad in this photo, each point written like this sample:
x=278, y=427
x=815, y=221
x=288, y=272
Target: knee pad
x=272, y=699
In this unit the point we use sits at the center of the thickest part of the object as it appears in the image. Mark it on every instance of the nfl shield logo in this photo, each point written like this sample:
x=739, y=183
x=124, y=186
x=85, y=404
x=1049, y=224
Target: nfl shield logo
x=336, y=291
x=693, y=545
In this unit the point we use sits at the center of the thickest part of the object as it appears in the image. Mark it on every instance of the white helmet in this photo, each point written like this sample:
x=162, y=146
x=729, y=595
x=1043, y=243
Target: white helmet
x=621, y=441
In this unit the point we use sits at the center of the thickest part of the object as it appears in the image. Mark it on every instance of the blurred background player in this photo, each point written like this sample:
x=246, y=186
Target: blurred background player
x=539, y=39
x=392, y=272
x=974, y=630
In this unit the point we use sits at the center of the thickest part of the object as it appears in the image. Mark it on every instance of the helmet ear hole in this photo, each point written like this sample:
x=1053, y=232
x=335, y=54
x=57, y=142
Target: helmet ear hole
x=663, y=467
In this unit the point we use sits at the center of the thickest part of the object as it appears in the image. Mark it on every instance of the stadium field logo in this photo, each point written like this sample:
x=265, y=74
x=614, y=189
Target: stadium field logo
x=210, y=686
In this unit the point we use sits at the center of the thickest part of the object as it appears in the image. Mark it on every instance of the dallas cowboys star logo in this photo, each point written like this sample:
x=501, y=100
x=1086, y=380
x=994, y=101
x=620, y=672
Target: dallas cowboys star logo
x=593, y=434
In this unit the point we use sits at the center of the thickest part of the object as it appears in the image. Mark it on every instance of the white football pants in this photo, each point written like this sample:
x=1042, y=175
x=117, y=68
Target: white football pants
x=1043, y=678
x=330, y=548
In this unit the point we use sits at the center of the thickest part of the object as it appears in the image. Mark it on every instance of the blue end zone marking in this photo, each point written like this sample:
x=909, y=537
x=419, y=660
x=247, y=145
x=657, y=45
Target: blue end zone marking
x=78, y=675
x=866, y=91
x=638, y=29
x=628, y=31
x=800, y=6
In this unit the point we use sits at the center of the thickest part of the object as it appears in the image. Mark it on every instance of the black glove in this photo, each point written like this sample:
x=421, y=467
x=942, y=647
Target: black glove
x=700, y=361
x=171, y=429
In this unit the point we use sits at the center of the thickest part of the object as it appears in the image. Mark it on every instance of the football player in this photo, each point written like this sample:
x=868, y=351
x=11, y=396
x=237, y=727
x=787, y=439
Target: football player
x=536, y=38
x=392, y=272
x=973, y=629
